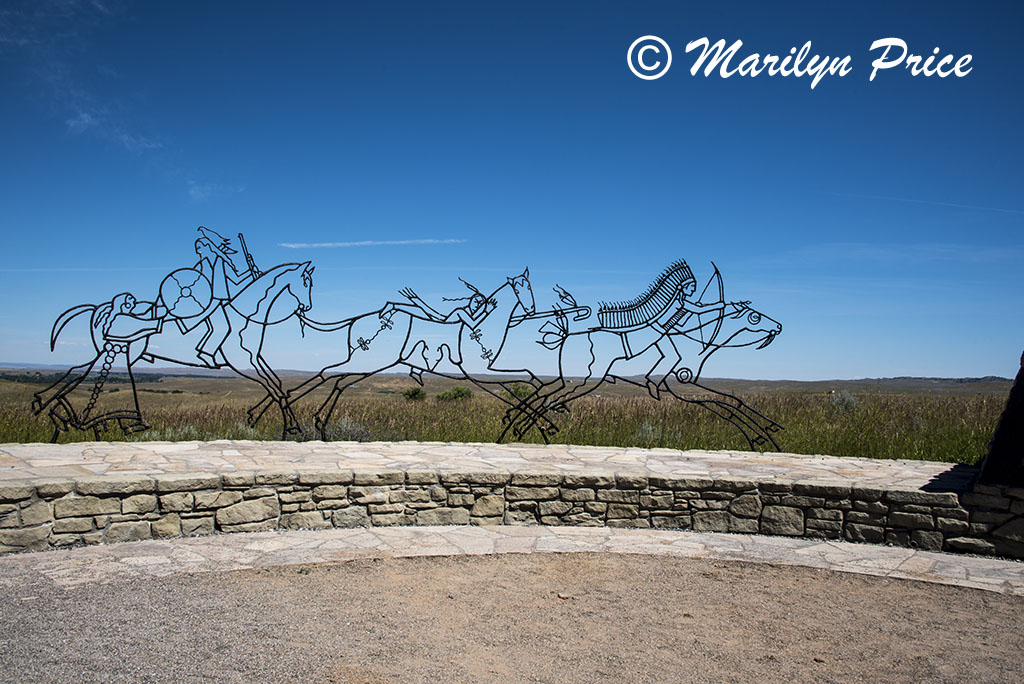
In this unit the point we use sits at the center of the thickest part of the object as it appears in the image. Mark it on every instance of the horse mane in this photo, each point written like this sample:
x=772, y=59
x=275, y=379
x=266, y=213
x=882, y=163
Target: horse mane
x=270, y=276
x=649, y=305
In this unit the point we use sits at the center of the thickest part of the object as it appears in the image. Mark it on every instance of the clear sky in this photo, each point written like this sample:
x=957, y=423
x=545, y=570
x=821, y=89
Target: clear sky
x=880, y=222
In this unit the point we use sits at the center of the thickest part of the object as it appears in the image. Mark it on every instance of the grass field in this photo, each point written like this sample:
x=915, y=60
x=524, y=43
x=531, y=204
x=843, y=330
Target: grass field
x=941, y=420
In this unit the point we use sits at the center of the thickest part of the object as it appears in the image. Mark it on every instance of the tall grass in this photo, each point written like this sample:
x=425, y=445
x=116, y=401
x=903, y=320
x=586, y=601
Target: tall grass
x=925, y=427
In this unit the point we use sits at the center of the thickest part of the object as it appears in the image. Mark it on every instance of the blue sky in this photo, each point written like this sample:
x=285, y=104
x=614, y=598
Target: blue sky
x=880, y=222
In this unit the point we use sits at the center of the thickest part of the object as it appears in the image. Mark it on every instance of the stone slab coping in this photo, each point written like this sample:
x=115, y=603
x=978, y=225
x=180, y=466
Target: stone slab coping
x=217, y=553
x=160, y=460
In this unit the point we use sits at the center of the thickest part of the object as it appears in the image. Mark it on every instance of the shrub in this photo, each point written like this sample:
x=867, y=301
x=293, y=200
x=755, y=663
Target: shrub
x=519, y=390
x=414, y=394
x=457, y=392
x=845, y=401
x=348, y=431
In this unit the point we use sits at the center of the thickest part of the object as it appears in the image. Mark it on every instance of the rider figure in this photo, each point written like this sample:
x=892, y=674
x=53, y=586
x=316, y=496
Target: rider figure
x=472, y=314
x=121, y=321
x=687, y=307
x=216, y=265
x=676, y=320
x=124, y=319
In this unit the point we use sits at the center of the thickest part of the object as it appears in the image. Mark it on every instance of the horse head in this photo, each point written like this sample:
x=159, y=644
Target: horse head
x=738, y=325
x=304, y=296
x=299, y=284
x=524, y=291
x=743, y=326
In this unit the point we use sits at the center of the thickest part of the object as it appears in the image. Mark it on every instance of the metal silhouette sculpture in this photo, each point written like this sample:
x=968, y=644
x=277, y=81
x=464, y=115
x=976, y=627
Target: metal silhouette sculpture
x=639, y=338
x=221, y=311
x=660, y=340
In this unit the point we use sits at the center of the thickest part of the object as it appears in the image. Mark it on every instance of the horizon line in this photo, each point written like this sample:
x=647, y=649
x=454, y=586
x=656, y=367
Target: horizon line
x=208, y=372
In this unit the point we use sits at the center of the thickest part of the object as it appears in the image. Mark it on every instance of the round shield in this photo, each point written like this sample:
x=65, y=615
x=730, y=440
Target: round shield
x=186, y=293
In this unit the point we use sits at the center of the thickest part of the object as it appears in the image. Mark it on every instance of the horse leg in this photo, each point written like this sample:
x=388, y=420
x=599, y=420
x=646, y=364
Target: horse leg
x=522, y=426
x=670, y=358
x=536, y=404
x=272, y=383
x=598, y=372
x=548, y=428
x=725, y=413
x=754, y=433
x=517, y=404
x=310, y=384
x=255, y=413
x=554, y=396
x=60, y=415
x=763, y=423
x=736, y=412
x=323, y=414
x=523, y=408
x=63, y=386
x=769, y=424
x=522, y=415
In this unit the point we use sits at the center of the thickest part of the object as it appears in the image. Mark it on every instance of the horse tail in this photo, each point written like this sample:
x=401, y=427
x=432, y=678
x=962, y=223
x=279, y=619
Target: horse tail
x=66, y=318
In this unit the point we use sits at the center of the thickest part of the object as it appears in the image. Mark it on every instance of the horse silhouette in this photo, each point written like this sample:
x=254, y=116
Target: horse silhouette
x=123, y=332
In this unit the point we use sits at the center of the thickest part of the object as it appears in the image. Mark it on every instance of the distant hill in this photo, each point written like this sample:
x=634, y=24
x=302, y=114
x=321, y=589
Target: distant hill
x=142, y=368
x=389, y=383
x=897, y=385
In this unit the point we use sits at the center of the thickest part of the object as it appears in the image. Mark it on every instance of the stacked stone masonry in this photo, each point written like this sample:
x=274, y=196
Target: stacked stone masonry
x=56, y=513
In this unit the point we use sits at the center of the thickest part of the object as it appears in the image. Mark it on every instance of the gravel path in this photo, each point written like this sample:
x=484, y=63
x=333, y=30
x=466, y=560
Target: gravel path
x=510, y=618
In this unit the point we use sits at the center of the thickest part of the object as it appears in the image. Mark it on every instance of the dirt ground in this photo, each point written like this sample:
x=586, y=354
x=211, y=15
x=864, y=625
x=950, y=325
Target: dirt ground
x=513, y=618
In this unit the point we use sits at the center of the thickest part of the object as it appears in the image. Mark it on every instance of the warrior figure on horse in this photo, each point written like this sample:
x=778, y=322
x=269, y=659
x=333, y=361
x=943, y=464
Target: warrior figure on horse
x=664, y=307
x=217, y=267
x=233, y=305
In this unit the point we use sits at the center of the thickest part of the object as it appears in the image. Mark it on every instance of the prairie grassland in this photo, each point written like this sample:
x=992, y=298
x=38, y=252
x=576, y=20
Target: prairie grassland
x=937, y=427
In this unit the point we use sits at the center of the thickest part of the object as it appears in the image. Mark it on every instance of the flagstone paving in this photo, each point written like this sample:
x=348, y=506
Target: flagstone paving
x=20, y=574
x=24, y=461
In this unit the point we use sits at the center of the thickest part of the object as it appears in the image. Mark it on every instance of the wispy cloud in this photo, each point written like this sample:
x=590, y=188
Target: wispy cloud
x=204, y=191
x=933, y=203
x=370, y=243
x=58, y=269
x=914, y=252
x=96, y=122
x=52, y=40
x=136, y=143
x=82, y=121
x=905, y=254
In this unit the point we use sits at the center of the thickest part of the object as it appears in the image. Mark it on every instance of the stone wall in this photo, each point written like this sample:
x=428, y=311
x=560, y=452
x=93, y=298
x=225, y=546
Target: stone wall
x=55, y=513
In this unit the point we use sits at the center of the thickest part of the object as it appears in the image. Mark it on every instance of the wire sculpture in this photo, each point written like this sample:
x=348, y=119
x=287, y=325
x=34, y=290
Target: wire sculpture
x=660, y=340
x=223, y=312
